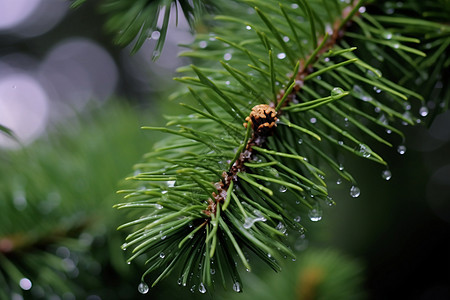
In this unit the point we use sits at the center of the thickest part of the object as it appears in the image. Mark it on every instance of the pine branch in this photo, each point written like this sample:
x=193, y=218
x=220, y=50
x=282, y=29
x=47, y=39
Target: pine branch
x=303, y=93
x=141, y=20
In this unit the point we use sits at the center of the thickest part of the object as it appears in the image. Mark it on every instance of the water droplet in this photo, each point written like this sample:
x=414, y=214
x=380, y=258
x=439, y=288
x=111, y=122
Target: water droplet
x=357, y=89
x=401, y=149
x=227, y=56
x=155, y=35
x=300, y=141
x=227, y=82
x=25, y=284
x=192, y=289
x=407, y=115
x=423, y=111
x=281, y=55
x=362, y=9
x=143, y=288
x=171, y=183
x=213, y=271
x=346, y=122
x=237, y=287
x=386, y=174
x=364, y=150
x=315, y=214
x=341, y=143
x=341, y=167
x=274, y=172
x=250, y=221
x=387, y=35
x=294, y=6
x=202, y=288
x=248, y=27
x=374, y=74
x=361, y=94
x=395, y=45
x=203, y=44
x=281, y=228
x=156, y=53
x=162, y=255
x=313, y=120
x=337, y=91
x=329, y=201
x=285, y=39
x=158, y=206
x=180, y=280
x=339, y=181
x=297, y=219
x=283, y=189
x=366, y=98
x=355, y=191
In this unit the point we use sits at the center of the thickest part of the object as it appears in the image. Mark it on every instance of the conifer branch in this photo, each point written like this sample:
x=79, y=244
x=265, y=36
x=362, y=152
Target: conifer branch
x=244, y=189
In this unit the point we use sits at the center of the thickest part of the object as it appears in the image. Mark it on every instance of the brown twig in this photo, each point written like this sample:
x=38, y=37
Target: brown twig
x=21, y=241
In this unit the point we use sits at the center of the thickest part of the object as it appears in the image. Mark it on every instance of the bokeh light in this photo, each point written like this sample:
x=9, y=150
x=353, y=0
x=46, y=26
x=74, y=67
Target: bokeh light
x=76, y=71
x=14, y=12
x=29, y=18
x=23, y=107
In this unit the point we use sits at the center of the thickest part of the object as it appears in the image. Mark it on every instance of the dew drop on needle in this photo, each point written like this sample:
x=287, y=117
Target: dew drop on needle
x=355, y=191
x=143, y=288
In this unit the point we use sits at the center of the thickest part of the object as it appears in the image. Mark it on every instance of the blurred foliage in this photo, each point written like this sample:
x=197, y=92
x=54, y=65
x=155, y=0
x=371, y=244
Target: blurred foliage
x=317, y=274
x=56, y=221
x=7, y=131
x=140, y=20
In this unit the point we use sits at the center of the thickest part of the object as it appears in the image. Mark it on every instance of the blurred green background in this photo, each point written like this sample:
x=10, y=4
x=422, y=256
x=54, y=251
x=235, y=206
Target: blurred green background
x=76, y=102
